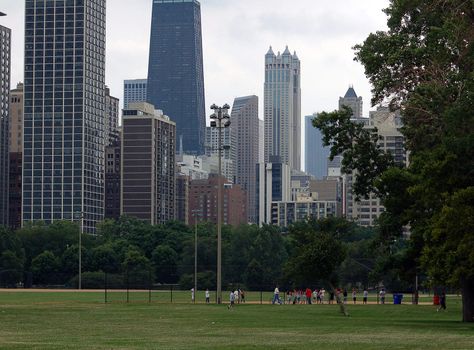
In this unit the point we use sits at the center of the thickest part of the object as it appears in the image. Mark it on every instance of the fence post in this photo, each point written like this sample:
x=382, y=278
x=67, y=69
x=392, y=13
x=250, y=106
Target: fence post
x=105, y=285
x=149, y=286
x=171, y=294
x=261, y=297
x=128, y=288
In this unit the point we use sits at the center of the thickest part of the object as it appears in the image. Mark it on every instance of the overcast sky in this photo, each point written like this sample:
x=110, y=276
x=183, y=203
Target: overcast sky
x=236, y=36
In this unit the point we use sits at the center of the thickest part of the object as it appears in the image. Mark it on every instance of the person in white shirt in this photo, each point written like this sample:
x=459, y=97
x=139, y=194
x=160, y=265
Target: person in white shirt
x=207, y=296
x=192, y=295
x=276, y=296
x=382, y=296
x=366, y=296
x=231, y=300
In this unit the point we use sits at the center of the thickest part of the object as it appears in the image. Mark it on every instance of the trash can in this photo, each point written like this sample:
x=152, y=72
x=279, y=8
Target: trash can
x=436, y=300
x=397, y=299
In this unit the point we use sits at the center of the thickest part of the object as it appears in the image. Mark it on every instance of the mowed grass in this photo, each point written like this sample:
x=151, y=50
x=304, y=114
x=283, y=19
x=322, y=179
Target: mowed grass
x=83, y=321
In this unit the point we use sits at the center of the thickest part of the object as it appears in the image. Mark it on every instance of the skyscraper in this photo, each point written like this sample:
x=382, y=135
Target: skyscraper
x=316, y=155
x=175, y=69
x=64, y=127
x=148, y=164
x=5, y=44
x=353, y=101
x=16, y=155
x=245, y=127
x=134, y=91
x=282, y=108
x=229, y=152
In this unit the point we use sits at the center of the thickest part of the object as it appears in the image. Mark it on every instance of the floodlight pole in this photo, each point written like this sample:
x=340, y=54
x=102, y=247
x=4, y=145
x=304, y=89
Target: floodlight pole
x=219, y=119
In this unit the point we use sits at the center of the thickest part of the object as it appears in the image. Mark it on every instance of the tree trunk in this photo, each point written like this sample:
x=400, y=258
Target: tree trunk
x=468, y=301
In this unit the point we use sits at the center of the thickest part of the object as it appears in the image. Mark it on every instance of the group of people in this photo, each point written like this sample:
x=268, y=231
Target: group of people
x=238, y=296
x=308, y=296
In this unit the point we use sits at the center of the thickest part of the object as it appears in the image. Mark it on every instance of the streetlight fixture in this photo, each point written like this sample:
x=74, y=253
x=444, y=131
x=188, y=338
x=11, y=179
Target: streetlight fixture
x=220, y=119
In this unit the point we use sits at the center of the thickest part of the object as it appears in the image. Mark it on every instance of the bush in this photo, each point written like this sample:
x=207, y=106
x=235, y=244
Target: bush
x=96, y=280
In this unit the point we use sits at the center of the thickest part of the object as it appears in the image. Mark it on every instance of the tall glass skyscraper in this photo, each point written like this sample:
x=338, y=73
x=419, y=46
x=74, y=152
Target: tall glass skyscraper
x=5, y=44
x=64, y=111
x=175, y=69
x=316, y=155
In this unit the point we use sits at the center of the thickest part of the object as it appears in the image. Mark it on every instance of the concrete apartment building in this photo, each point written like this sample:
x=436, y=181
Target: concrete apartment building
x=148, y=164
x=282, y=108
x=229, y=151
x=112, y=180
x=112, y=112
x=16, y=155
x=203, y=200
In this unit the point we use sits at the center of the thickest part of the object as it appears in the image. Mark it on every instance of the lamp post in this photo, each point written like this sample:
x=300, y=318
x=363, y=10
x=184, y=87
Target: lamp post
x=195, y=214
x=220, y=119
x=80, y=216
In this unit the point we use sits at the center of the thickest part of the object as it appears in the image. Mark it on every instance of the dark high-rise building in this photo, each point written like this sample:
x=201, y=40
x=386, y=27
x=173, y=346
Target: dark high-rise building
x=175, y=69
x=148, y=164
x=64, y=123
x=112, y=180
x=112, y=108
x=5, y=59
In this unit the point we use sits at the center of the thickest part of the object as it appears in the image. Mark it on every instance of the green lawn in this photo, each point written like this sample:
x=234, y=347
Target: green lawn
x=83, y=321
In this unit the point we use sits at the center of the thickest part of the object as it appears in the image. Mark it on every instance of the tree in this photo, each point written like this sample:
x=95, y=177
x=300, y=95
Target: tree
x=165, y=262
x=422, y=65
x=45, y=268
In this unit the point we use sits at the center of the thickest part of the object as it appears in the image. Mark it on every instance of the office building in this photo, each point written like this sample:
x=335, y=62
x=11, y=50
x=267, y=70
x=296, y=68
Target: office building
x=64, y=99
x=245, y=128
x=261, y=141
x=203, y=200
x=134, y=91
x=175, y=70
x=273, y=185
x=352, y=101
x=282, y=108
x=148, y=164
x=5, y=61
x=112, y=110
x=316, y=155
x=388, y=124
x=16, y=155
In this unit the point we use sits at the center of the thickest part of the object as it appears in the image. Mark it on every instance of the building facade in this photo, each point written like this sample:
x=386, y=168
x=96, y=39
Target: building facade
x=285, y=214
x=273, y=185
x=316, y=155
x=367, y=210
x=229, y=149
x=5, y=61
x=175, y=69
x=134, y=91
x=203, y=200
x=182, y=198
x=148, y=181
x=64, y=127
x=282, y=108
x=112, y=180
x=245, y=128
x=112, y=112
x=16, y=155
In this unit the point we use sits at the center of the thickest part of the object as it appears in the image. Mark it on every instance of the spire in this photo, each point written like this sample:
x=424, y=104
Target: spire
x=295, y=56
x=286, y=52
x=350, y=92
x=270, y=52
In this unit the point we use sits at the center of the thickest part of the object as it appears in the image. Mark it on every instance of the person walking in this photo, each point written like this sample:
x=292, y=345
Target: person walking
x=366, y=296
x=192, y=295
x=242, y=295
x=207, y=296
x=345, y=295
x=308, y=296
x=354, y=296
x=276, y=296
x=442, y=302
x=382, y=296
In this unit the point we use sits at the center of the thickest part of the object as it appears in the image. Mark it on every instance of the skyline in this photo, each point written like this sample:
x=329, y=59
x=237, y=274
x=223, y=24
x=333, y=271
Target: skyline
x=322, y=38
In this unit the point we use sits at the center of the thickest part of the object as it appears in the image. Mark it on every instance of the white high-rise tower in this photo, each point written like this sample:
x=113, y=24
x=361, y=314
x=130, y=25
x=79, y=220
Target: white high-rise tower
x=282, y=108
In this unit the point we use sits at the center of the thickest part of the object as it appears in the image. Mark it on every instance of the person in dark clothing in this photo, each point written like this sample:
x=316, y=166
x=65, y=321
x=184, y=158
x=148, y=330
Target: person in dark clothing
x=442, y=302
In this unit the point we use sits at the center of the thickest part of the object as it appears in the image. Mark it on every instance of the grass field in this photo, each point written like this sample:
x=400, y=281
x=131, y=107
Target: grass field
x=74, y=320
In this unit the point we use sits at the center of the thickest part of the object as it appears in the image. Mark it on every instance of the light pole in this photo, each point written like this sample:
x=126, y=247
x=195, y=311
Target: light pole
x=81, y=228
x=220, y=119
x=195, y=214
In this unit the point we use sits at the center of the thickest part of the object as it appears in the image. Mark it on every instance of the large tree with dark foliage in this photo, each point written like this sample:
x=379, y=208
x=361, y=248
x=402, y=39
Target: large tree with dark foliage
x=423, y=66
